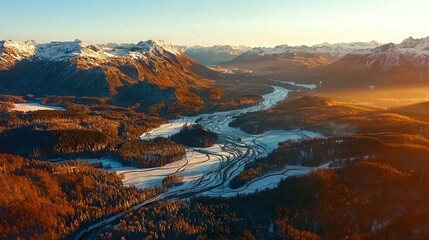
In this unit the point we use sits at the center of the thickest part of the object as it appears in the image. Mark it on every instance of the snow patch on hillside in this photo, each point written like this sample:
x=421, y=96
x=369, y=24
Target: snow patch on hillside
x=17, y=50
x=165, y=130
x=57, y=51
x=28, y=107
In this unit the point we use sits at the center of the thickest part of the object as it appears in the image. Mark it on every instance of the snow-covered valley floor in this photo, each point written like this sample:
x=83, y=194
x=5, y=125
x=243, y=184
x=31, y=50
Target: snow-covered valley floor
x=34, y=106
x=208, y=171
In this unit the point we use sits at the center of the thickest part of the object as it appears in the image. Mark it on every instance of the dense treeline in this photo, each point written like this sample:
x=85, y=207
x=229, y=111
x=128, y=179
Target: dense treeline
x=95, y=131
x=5, y=106
x=119, y=122
x=380, y=191
x=7, y=101
x=40, y=200
x=235, y=103
x=68, y=101
x=195, y=136
x=162, y=102
x=178, y=220
x=302, y=112
x=356, y=131
x=45, y=144
x=363, y=200
x=330, y=117
x=150, y=153
x=15, y=99
x=172, y=180
x=334, y=150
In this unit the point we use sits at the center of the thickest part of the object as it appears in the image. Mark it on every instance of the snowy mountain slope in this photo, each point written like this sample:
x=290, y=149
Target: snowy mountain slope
x=149, y=73
x=58, y=51
x=287, y=62
x=12, y=51
x=332, y=51
x=389, y=65
x=410, y=51
x=215, y=54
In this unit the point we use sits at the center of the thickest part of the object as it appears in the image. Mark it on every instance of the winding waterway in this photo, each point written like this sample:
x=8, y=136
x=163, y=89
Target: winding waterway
x=208, y=171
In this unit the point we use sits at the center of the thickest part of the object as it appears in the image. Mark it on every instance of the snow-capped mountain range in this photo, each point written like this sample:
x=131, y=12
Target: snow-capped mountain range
x=409, y=51
x=416, y=50
x=11, y=51
x=150, y=73
x=218, y=48
x=390, y=65
x=332, y=51
x=75, y=67
x=215, y=54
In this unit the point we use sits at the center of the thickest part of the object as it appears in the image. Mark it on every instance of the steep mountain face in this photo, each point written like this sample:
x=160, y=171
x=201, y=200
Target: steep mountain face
x=390, y=65
x=150, y=73
x=290, y=61
x=11, y=52
x=215, y=54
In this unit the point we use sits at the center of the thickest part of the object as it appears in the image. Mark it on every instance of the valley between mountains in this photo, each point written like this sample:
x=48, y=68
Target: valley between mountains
x=153, y=141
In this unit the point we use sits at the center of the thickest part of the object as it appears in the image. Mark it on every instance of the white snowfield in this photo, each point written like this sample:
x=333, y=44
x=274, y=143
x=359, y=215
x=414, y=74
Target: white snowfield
x=165, y=130
x=208, y=171
x=28, y=107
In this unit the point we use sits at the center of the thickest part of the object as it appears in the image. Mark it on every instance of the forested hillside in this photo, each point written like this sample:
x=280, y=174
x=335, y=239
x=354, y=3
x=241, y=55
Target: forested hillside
x=42, y=200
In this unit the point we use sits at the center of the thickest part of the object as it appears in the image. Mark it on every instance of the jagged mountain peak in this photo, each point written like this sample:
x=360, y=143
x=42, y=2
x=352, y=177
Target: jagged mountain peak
x=59, y=51
x=78, y=41
x=147, y=72
x=17, y=49
x=141, y=50
x=408, y=41
x=409, y=51
x=419, y=43
x=12, y=51
x=159, y=45
x=389, y=65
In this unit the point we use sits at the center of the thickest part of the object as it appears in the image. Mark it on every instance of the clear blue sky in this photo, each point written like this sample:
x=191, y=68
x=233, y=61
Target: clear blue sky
x=208, y=22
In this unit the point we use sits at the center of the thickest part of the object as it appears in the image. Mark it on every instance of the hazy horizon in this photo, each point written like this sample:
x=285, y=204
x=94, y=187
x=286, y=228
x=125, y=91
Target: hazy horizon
x=219, y=22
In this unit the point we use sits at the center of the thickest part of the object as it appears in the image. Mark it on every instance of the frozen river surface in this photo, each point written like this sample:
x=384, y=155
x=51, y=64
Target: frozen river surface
x=208, y=171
